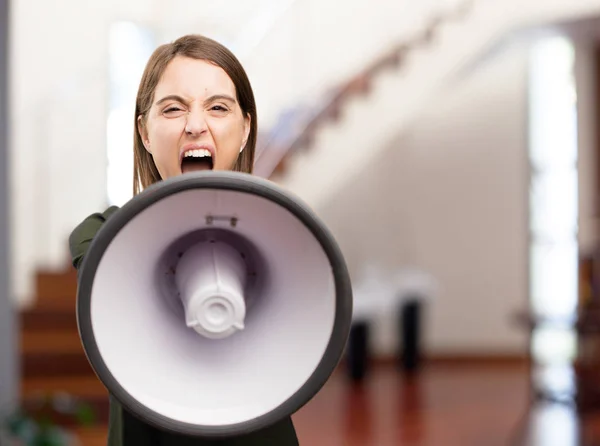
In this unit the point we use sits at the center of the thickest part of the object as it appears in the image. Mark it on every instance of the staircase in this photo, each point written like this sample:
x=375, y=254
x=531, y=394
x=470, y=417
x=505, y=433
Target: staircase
x=332, y=143
x=53, y=362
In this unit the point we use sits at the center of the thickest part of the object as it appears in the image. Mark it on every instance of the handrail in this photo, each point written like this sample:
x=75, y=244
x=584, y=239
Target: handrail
x=309, y=119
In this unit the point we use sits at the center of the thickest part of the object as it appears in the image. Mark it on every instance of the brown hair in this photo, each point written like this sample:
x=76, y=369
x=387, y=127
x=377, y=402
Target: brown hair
x=145, y=172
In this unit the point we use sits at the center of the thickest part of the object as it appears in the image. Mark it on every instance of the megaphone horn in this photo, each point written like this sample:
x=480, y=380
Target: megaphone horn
x=214, y=304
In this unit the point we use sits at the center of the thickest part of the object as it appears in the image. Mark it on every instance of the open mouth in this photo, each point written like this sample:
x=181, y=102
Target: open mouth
x=198, y=159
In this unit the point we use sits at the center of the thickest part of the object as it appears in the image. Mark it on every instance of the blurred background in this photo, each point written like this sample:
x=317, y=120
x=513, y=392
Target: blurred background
x=451, y=146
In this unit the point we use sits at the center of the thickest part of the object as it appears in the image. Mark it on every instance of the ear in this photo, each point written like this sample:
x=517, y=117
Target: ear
x=247, y=122
x=143, y=131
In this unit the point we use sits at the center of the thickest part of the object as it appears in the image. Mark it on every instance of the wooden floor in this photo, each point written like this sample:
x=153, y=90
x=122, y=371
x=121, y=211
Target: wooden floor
x=443, y=405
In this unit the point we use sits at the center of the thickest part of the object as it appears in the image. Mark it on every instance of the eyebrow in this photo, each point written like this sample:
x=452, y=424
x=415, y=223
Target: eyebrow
x=215, y=97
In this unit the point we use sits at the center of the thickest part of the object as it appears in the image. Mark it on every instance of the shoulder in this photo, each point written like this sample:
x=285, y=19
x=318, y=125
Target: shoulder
x=83, y=234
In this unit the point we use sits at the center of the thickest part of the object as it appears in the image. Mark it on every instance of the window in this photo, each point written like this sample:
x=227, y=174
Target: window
x=553, y=197
x=130, y=46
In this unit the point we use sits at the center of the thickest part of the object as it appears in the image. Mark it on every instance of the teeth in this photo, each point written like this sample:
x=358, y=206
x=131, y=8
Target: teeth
x=197, y=153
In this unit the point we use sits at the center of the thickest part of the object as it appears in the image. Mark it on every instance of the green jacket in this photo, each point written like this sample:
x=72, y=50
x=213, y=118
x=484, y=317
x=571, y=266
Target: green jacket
x=125, y=429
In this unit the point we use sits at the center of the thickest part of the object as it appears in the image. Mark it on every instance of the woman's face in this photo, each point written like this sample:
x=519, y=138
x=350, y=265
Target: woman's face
x=195, y=122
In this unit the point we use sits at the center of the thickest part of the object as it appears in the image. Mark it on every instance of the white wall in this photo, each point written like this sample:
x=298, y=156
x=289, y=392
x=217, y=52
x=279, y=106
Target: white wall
x=59, y=97
x=449, y=196
x=54, y=128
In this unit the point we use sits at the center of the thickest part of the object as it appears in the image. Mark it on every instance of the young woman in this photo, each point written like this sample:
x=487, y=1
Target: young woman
x=194, y=110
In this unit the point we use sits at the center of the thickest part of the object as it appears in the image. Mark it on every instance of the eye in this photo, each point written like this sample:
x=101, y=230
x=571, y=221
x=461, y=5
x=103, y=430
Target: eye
x=219, y=108
x=173, y=110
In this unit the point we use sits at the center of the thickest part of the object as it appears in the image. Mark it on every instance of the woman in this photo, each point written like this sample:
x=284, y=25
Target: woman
x=195, y=110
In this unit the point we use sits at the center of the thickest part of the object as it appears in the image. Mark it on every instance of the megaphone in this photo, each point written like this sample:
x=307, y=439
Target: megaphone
x=213, y=304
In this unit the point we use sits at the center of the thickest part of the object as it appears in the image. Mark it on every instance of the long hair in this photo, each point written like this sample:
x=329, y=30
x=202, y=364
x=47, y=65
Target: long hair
x=193, y=46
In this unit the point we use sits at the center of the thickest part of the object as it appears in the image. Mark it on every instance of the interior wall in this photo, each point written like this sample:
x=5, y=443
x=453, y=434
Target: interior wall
x=59, y=97
x=8, y=341
x=449, y=197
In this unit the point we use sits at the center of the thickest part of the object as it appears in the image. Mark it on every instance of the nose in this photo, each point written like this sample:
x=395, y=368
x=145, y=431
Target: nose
x=195, y=124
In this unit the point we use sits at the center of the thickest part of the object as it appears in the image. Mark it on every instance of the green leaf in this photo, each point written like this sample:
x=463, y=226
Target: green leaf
x=85, y=415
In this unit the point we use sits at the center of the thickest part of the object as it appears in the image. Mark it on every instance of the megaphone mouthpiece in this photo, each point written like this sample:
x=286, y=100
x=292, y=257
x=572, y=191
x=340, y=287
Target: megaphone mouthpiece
x=211, y=277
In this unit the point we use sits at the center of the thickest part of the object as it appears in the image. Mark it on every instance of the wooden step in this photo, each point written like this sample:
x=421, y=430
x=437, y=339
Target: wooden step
x=89, y=388
x=38, y=365
x=56, y=286
x=38, y=319
x=61, y=302
x=51, y=342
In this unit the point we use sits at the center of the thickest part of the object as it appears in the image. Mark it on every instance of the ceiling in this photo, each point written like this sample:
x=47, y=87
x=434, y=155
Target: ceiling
x=235, y=23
